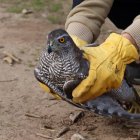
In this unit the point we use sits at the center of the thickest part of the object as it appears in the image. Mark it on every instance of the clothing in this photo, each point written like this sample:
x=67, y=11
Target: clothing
x=118, y=13
x=89, y=13
x=88, y=17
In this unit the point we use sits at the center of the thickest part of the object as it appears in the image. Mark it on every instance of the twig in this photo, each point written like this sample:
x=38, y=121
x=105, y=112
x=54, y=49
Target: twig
x=53, y=104
x=10, y=80
x=11, y=56
x=44, y=136
x=32, y=115
x=48, y=127
x=1, y=47
x=63, y=131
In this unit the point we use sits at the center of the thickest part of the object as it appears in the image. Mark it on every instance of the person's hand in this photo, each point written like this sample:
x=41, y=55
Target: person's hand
x=107, y=65
x=130, y=38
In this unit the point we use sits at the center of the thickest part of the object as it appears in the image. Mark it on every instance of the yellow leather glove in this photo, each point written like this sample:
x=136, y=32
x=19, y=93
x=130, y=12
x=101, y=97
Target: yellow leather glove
x=107, y=65
x=47, y=89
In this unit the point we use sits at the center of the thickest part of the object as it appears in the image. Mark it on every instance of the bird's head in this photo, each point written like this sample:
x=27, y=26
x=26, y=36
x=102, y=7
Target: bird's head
x=59, y=41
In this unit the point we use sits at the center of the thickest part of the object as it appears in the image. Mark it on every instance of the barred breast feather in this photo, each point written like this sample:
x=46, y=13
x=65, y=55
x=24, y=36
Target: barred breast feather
x=58, y=70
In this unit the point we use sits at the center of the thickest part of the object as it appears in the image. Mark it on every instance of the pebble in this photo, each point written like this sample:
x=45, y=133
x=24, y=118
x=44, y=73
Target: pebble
x=26, y=11
x=77, y=137
x=74, y=117
x=59, y=139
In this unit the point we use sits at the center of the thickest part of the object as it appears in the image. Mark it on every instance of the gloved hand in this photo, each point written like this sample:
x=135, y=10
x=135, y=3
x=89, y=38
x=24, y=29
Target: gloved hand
x=47, y=89
x=107, y=65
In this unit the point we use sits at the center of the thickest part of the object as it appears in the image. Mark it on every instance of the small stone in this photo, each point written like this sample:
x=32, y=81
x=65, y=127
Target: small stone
x=77, y=137
x=74, y=117
x=26, y=11
x=59, y=139
x=44, y=15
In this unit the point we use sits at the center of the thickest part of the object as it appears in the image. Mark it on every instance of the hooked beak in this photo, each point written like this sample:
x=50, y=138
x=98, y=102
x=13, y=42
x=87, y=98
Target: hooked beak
x=49, y=49
x=50, y=44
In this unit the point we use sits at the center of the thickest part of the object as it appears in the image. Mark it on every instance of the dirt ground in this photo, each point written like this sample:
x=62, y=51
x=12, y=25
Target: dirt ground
x=21, y=96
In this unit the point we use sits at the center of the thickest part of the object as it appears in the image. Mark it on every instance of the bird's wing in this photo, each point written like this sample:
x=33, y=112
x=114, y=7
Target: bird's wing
x=107, y=106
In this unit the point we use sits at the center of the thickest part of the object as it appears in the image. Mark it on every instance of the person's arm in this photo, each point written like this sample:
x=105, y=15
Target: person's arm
x=85, y=19
x=132, y=33
x=84, y=23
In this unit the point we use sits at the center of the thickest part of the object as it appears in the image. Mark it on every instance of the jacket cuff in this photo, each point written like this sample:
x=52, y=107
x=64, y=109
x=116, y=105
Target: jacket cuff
x=90, y=13
x=134, y=31
x=81, y=31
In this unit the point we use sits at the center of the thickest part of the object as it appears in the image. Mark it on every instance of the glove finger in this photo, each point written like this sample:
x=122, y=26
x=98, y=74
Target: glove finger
x=80, y=92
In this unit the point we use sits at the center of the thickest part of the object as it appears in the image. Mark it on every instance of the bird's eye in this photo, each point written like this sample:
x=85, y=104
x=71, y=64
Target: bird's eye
x=61, y=40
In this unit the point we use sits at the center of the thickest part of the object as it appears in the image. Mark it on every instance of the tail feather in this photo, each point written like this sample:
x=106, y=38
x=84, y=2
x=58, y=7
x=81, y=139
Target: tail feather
x=107, y=106
x=135, y=108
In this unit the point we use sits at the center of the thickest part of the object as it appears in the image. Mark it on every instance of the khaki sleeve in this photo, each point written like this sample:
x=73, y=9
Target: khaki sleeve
x=134, y=30
x=87, y=18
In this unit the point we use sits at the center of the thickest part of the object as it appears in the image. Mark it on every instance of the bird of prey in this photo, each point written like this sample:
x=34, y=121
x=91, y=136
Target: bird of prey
x=62, y=67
